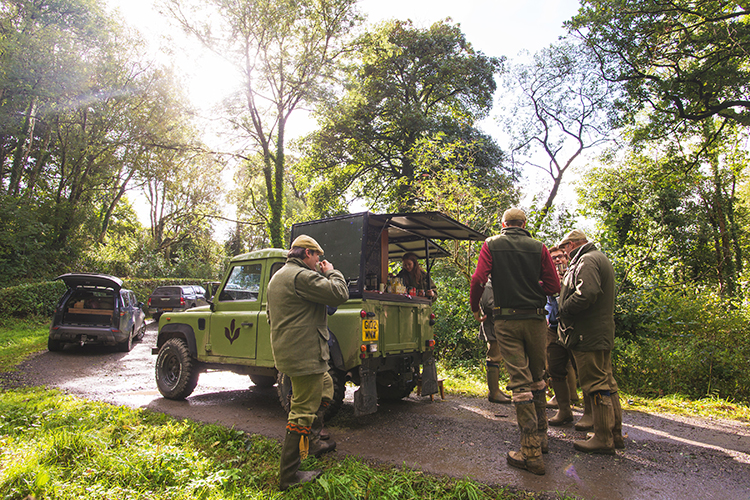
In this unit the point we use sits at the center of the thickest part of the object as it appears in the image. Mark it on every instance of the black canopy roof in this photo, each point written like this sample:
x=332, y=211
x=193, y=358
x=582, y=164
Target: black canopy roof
x=407, y=232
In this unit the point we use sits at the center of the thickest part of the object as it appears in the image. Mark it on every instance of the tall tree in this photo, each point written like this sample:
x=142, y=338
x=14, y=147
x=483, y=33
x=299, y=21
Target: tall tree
x=410, y=84
x=285, y=51
x=563, y=108
x=684, y=59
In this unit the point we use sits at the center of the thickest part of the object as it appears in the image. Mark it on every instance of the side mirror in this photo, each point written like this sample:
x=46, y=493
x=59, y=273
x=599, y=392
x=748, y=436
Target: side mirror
x=211, y=305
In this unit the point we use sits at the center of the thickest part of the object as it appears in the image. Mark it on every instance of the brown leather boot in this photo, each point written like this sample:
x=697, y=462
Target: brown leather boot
x=540, y=405
x=530, y=456
x=617, y=429
x=564, y=413
x=586, y=423
x=493, y=384
x=604, y=419
x=289, y=473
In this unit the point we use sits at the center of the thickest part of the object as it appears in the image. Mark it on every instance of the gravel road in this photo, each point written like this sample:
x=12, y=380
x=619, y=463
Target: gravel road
x=666, y=457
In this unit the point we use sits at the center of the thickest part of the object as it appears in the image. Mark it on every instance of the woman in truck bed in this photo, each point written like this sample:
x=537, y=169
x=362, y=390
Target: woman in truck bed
x=414, y=276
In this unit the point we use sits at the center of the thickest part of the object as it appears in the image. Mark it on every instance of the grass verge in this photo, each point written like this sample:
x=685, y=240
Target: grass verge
x=57, y=446
x=20, y=338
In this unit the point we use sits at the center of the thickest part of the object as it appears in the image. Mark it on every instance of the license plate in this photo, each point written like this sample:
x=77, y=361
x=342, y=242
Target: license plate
x=166, y=308
x=369, y=330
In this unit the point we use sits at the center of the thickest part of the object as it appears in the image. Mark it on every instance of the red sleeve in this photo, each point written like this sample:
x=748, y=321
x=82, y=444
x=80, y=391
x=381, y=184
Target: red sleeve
x=549, y=277
x=479, y=278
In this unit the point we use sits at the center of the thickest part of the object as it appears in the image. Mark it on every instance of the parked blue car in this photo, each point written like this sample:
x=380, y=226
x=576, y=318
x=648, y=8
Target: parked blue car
x=95, y=309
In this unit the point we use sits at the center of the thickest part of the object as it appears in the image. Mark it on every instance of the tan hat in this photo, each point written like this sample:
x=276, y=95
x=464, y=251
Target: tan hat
x=304, y=241
x=514, y=214
x=574, y=235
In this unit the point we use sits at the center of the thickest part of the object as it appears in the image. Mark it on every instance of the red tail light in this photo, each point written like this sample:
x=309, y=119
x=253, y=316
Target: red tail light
x=149, y=302
x=182, y=301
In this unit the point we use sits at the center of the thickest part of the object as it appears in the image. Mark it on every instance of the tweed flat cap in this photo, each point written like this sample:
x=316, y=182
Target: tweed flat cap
x=304, y=241
x=574, y=235
x=514, y=214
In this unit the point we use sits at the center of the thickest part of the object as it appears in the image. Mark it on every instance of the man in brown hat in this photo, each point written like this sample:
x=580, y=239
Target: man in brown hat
x=522, y=275
x=587, y=328
x=298, y=296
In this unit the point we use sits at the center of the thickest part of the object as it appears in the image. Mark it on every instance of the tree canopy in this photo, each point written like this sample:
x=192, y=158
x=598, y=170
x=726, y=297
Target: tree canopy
x=683, y=59
x=408, y=86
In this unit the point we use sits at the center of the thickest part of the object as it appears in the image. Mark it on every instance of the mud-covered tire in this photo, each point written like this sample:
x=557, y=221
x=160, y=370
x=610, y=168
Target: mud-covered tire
x=176, y=372
x=264, y=381
x=284, y=392
x=156, y=317
x=54, y=345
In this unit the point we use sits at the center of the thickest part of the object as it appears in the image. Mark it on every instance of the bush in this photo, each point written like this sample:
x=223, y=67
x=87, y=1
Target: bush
x=689, y=342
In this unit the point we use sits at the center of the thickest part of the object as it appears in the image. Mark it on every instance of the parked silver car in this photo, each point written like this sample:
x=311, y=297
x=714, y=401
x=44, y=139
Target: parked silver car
x=95, y=309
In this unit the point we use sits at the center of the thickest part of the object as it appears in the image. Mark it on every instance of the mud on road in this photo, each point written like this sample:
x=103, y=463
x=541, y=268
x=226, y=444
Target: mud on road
x=666, y=457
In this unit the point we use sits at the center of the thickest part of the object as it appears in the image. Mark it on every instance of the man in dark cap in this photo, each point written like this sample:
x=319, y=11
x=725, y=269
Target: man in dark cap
x=587, y=328
x=298, y=296
x=522, y=276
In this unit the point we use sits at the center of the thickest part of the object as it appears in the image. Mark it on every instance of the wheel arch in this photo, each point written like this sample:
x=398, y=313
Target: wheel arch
x=179, y=331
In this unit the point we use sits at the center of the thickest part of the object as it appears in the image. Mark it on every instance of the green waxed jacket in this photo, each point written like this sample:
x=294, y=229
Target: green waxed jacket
x=587, y=302
x=297, y=300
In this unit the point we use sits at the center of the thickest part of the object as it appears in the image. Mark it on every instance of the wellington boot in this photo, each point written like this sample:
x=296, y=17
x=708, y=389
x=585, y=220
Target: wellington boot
x=320, y=414
x=540, y=405
x=493, y=384
x=586, y=423
x=564, y=413
x=617, y=429
x=552, y=403
x=530, y=456
x=604, y=419
x=318, y=446
x=289, y=473
x=572, y=384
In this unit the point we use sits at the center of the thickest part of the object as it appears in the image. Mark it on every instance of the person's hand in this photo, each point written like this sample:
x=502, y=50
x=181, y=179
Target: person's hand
x=325, y=266
x=430, y=293
x=479, y=316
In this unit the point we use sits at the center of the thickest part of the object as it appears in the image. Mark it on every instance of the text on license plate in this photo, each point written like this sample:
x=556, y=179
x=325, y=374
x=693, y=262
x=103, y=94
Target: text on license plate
x=369, y=330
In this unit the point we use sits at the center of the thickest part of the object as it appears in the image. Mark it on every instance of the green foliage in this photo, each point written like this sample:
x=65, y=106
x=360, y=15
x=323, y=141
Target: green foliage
x=33, y=299
x=456, y=330
x=411, y=84
x=682, y=341
x=680, y=59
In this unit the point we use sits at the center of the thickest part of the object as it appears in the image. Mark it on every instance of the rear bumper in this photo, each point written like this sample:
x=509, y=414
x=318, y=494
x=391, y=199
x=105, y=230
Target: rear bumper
x=93, y=334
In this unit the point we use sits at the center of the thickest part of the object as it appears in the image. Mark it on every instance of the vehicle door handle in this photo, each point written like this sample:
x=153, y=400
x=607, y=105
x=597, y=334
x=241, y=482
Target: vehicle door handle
x=247, y=324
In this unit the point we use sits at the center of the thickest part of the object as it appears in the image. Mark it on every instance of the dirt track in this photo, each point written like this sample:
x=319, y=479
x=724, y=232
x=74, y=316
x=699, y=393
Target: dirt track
x=666, y=457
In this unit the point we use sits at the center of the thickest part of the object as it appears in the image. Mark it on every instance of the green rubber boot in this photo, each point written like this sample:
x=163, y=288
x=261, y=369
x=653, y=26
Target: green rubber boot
x=289, y=473
x=604, y=420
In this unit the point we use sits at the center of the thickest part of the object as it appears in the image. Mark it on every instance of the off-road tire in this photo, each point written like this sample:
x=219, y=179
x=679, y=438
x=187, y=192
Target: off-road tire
x=156, y=316
x=284, y=391
x=54, y=345
x=264, y=381
x=176, y=372
x=127, y=344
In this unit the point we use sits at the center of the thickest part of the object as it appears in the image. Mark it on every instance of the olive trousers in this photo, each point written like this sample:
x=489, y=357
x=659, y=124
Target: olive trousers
x=307, y=393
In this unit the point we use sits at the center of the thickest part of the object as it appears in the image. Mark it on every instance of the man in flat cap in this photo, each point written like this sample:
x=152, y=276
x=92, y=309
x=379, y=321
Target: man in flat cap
x=587, y=328
x=298, y=296
x=522, y=276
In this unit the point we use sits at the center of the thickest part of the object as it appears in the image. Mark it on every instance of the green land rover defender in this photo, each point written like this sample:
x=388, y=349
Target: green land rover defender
x=382, y=342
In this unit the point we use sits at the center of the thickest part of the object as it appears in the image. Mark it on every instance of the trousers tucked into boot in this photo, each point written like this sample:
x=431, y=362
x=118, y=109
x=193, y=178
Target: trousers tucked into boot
x=604, y=420
x=562, y=393
x=617, y=429
x=493, y=384
x=293, y=451
x=587, y=420
x=540, y=405
x=530, y=456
